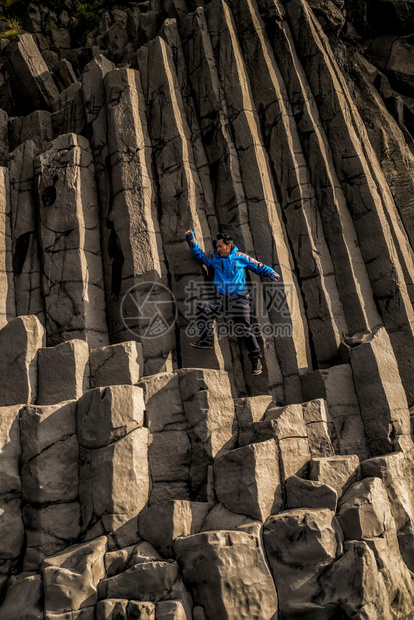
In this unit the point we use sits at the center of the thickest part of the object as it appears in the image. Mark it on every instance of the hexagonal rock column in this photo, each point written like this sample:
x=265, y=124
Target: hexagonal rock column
x=11, y=523
x=336, y=471
x=178, y=518
x=324, y=310
x=181, y=195
x=29, y=74
x=131, y=240
x=364, y=512
x=114, y=477
x=384, y=245
x=397, y=473
x=20, y=341
x=63, y=372
x=317, y=421
x=72, y=277
x=26, y=263
x=243, y=184
x=209, y=410
x=247, y=480
x=287, y=427
x=300, y=544
x=169, y=452
x=381, y=395
x=117, y=364
x=248, y=410
x=4, y=136
x=50, y=480
x=7, y=297
x=336, y=386
x=227, y=574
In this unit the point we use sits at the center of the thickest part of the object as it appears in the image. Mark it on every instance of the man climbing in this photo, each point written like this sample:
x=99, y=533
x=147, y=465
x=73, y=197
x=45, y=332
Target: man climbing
x=230, y=293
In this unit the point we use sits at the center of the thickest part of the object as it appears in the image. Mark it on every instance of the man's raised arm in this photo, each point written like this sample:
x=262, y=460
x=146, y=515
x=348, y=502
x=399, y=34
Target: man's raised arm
x=196, y=250
x=260, y=268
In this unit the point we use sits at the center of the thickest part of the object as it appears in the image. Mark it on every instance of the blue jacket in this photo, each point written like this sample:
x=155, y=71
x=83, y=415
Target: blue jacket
x=229, y=271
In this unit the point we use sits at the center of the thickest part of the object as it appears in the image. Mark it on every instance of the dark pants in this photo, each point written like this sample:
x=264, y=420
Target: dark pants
x=236, y=305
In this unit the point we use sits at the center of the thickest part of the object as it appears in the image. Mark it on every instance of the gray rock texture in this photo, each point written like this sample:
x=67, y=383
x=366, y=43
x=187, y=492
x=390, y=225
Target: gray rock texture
x=144, y=478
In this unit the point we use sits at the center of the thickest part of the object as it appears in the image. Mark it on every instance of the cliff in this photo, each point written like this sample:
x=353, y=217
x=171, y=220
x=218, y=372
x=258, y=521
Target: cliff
x=141, y=477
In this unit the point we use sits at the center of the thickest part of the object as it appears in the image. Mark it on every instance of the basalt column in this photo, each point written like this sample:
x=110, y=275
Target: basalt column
x=69, y=239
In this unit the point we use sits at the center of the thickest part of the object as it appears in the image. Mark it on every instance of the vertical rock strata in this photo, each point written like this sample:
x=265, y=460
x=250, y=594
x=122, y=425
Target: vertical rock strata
x=141, y=477
x=69, y=239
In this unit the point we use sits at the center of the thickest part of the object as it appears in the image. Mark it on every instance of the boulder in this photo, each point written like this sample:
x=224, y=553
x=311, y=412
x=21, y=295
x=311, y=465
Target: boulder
x=118, y=561
x=37, y=127
x=341, y=597
x=63, y=73
x=247, y=480
x=300, y=545
x=52, y=476
x=24, y=598
x=227, y=575
x=335, y=471
x=364, y=510
x=122, y=609
x=146, y=581
x=169, y=457
x=208, y=407
x=71, y=577
x=396, y=472
x=170, y=610
x=302, y=493
x=220, y=518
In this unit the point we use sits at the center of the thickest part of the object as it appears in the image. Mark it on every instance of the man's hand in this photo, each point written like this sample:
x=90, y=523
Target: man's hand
x=188, y=233
x=275, y=278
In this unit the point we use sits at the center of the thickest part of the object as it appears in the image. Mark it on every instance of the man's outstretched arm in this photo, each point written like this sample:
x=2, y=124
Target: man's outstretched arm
x=196, y=250
x=260, y=268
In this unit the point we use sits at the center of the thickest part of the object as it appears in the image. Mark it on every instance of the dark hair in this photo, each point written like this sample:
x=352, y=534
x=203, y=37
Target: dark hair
x=225, y=238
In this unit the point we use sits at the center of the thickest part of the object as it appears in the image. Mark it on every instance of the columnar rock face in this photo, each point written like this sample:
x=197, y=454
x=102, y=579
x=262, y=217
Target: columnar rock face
x=69, y=239
x=141, y=477
x=26, y=263
x=8, y=305
x=29, y=73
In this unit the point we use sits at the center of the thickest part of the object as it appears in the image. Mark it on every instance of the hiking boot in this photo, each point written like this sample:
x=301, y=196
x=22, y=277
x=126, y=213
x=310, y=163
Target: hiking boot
x=203, y=344
x=257, y=366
